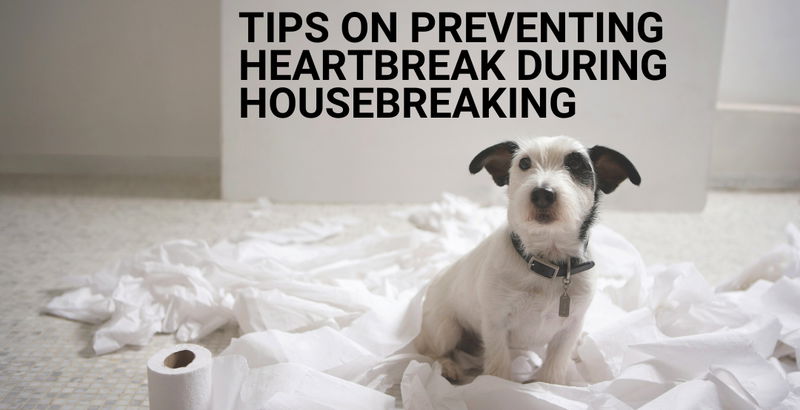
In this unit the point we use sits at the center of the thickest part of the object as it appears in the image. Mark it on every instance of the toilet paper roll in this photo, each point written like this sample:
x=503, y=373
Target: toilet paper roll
x=179, y=377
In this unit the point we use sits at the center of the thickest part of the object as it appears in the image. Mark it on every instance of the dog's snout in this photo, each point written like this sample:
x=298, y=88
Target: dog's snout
x=543, y=197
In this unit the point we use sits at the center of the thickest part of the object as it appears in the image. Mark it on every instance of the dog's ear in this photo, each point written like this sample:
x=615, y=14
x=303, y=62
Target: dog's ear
x=497, y=161
x=612, y=168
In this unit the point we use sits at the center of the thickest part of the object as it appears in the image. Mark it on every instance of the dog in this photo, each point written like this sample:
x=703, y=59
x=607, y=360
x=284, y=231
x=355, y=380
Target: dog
x=528, y=285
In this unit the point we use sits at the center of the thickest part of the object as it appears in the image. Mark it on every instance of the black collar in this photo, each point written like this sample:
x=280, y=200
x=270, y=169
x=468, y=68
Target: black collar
x=549, y=269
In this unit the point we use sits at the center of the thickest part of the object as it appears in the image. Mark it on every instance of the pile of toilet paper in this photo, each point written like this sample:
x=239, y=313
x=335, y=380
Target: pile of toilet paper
x=329, y=326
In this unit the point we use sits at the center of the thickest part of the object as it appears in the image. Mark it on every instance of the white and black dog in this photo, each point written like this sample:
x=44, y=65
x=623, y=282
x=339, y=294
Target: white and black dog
x=526, y=286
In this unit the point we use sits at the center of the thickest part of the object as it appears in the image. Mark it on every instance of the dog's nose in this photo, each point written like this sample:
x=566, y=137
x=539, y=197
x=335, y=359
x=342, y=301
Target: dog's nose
x=543, y=197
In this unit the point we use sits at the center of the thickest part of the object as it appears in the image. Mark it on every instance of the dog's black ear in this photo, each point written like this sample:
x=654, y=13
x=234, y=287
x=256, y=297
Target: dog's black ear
x=497, y=161
x=612, y=168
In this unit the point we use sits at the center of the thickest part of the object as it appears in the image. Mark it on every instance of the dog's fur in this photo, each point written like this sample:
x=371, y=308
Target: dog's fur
x=490, y=294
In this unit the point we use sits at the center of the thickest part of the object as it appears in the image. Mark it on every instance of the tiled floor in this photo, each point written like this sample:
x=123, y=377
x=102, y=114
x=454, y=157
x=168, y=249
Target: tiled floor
x=51, y=227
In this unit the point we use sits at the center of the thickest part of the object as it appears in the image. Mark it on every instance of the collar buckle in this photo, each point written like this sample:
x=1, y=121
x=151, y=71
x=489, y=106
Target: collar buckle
x=544, y=268
x=548, y=269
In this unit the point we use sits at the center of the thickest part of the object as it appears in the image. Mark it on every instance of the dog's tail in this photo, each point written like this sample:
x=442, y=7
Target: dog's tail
x=784, y=260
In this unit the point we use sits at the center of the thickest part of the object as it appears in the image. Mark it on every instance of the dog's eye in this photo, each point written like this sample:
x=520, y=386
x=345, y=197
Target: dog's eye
x=574, y=162
x=524, y=163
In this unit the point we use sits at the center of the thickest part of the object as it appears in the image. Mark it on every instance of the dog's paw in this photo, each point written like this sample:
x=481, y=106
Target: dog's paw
x=450, y=369
x=503, y=372
x=551, y=376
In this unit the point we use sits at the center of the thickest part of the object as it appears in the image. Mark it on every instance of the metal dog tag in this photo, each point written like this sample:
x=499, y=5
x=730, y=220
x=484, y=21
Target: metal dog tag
x=563, y=305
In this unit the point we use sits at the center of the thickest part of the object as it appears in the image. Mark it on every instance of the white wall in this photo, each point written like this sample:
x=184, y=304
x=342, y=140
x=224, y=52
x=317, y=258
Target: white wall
x=756, y=142
x=132, y=87
x=664, y=127
x=99, y=86
x=761, y=55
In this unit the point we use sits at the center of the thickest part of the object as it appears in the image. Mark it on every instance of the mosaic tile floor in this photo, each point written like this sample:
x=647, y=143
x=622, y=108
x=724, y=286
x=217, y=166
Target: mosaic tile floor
x=51, y=227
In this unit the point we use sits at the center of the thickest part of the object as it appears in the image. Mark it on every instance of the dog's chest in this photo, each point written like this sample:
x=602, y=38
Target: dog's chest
x=534, y=318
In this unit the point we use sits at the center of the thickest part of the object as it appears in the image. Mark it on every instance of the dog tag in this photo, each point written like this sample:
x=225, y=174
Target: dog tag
x=563, y=305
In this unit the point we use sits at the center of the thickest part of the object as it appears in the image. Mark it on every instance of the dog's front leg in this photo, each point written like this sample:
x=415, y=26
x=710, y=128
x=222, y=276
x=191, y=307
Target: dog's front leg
x=496, y=355
x=559, y=354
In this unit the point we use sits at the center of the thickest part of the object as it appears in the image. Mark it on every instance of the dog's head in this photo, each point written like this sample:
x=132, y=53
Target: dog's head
x=553, y=185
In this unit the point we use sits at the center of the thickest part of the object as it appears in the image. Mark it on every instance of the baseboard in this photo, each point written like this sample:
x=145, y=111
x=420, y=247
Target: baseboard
x=110, y=165
x=750, y=183
x=756, y=147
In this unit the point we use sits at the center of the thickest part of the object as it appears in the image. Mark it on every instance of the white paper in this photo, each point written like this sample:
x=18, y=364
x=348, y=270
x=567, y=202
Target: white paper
x=182, y=384
x=330, y=326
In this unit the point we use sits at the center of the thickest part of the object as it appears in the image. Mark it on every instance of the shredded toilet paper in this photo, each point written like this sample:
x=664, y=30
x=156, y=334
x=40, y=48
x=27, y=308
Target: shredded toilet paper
x=329, y=326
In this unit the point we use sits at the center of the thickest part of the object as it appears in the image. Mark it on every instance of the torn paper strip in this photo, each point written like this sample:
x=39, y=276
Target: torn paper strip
x=329, y=326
